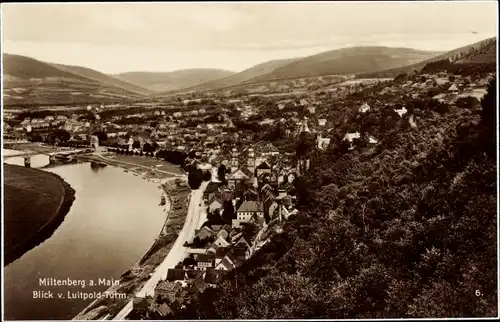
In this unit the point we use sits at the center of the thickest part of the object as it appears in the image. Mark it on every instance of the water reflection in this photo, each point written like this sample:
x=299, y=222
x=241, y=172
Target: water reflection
x=37, y=161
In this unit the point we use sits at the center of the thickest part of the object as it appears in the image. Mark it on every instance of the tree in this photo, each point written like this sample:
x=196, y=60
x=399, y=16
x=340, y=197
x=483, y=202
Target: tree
x=136, y=144
x=195, y=178
x=305, y=144
x=207, y=175
x=488, y=104
x=467, y=102
x=146, y=147
x=62, y=135
x=229, y=213
x=102, y=136
x=221, y=173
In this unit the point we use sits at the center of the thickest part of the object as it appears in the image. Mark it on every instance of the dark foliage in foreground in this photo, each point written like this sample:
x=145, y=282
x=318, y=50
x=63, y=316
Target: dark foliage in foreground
x=403, y=229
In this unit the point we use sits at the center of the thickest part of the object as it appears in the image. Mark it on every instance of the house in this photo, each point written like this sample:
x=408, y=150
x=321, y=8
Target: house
x=224, y=232
x=199, y=285
x=143, y=305
x=311, y=109
x=322, y=143
x=163, y=310
x=267, y=189
x=215, y=276
x=239, y=254
x=412, y=122
x=226, y=264
x=251, y=194
x=246, y=211
x=322, y=122
x=203, y=233
x=220, y=253
x=234, y=259
x=235, y=235
x=351, y=136
x=242, y=244
x=214, y=204
x=401, y=111
x=364, y=108
x=204, y=261
x=268, y=150
x=210, y=248
x=175, y=274
x=168, y=290
x=236, y=177
x=221, y=242
x=210, y=190
x=112, y=134
x=453, y=88
x=263, y=167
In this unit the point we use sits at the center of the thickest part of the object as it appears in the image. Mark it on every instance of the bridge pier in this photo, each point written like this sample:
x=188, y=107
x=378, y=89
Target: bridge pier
x=27, y=161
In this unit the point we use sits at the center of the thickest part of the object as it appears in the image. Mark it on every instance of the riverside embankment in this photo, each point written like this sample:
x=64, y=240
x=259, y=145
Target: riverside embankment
x=177, y=196
x=114, y=220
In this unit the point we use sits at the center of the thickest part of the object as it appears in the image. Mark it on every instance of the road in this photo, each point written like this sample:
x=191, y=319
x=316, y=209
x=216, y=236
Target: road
x=178, y=251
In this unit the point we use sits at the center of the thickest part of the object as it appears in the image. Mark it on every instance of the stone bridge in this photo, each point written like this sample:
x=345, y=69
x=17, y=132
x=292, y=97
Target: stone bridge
x=52, y=155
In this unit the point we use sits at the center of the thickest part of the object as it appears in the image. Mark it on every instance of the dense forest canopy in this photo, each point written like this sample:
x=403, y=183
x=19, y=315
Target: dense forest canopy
x=403, y=229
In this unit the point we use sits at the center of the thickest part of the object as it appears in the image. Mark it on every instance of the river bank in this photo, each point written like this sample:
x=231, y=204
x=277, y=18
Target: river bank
x=41, y=199
x=176, y=194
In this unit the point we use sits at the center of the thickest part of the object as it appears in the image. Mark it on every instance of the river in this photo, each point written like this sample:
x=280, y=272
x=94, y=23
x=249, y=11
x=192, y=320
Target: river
x=113, y=221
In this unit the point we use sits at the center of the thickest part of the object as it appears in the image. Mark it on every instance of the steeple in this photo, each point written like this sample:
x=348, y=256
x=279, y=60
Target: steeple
x=234, y=160
x=304, y=127
x=251, y=160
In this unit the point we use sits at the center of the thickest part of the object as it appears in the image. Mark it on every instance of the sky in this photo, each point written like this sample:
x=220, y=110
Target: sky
x=122, y=37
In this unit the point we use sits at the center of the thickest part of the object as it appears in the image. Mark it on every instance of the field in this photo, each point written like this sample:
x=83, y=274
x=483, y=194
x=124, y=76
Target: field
x=33, y=201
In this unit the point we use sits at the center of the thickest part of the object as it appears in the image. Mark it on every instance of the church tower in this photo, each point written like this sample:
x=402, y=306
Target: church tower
x=251, y=161
x=234, y=160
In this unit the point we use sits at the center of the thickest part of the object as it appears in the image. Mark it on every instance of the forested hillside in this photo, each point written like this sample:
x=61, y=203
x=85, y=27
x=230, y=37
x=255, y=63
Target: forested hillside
x=403, y=229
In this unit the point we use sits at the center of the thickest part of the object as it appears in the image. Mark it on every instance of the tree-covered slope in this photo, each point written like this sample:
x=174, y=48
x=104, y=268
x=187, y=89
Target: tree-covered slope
x=405, y=229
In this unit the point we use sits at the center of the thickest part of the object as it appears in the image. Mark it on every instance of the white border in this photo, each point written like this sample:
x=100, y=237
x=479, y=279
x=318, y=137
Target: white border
x=388, y=319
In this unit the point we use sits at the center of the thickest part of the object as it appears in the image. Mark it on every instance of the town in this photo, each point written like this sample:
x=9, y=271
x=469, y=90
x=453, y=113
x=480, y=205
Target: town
x=250, y=161
x=248, y=146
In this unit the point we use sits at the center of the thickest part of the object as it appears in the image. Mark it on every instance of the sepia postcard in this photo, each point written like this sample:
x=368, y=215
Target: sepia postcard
x=249, y=160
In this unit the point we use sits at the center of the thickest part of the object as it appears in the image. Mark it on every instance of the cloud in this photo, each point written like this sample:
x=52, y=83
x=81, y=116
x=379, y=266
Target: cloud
x=235, y=34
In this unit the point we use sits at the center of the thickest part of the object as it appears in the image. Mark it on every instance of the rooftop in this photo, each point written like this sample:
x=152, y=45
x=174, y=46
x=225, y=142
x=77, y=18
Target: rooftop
x=168, y=286
x=205, y=257
x=251, y=206
x=237, y=175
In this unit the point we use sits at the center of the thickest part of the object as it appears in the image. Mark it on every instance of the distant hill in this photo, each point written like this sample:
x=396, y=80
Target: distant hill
x=176, y=80
x=483, y=51
x=244, y=76
x=22, y=67
x=344, y=61
x=103, y=78
x=29, y=82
